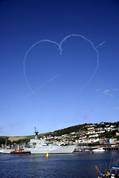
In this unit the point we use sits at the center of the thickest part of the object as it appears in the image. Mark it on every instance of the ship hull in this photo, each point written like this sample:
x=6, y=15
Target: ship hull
x=53, y=150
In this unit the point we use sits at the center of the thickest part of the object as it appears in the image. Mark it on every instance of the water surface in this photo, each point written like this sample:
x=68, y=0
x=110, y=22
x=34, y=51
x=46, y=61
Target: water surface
x=77, y=165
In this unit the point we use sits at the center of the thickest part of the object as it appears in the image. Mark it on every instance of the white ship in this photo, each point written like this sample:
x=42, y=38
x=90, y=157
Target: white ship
x=42, y=146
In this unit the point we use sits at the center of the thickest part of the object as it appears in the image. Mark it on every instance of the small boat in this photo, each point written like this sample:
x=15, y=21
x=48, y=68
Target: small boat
x=5, y=151
x=108, y=173
x=20, y=152
x=98, y=149
x=114, y=172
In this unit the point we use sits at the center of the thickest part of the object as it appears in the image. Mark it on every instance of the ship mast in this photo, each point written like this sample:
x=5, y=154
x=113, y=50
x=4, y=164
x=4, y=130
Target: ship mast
x=36, y=133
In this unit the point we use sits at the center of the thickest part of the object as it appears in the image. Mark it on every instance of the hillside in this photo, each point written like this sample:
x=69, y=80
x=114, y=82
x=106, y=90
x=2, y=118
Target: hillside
x=80, y=129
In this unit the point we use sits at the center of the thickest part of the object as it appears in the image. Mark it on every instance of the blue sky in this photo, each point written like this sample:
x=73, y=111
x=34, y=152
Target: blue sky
x=49, y=85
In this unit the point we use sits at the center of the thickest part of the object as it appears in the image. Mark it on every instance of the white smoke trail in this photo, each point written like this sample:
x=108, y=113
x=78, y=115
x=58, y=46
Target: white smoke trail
x=60, y=48
x=53, y=78
x=93, y=47
x=25, y=60
x=101, y=44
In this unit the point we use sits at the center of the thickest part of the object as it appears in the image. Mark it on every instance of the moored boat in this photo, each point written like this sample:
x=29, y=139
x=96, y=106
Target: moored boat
x=20, y=152
x=5, y=151
x=101, y=149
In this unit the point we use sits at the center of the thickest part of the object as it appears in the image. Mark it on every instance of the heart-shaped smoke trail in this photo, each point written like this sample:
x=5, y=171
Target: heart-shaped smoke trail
x=60, y=49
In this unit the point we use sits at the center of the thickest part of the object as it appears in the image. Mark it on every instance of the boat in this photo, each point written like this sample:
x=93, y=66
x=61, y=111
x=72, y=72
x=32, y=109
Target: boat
x=109, y=173
x=101, y=149
x=37, y=145
x=5, y=150
x=20, y=152
x=114, y=172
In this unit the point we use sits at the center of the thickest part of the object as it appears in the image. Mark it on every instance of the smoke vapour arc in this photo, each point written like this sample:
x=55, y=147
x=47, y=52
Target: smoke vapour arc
x=26, y=55
x=53, y=78
x=101, y=44
x=60, y=49
x=93, y=47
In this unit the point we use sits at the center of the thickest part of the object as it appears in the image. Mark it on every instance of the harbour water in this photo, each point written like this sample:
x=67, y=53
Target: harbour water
x=76, y=165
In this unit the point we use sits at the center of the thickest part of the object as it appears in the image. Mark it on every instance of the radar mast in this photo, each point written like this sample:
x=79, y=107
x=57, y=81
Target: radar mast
x=36, y=133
